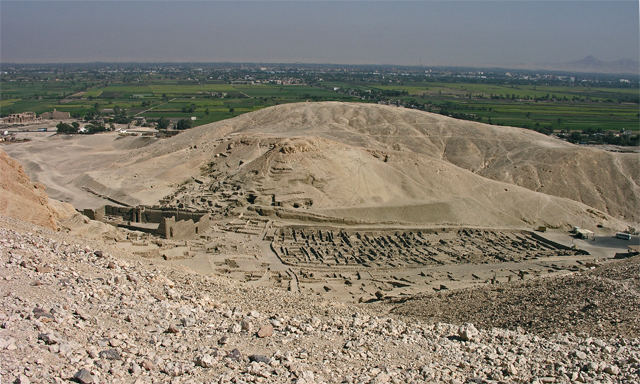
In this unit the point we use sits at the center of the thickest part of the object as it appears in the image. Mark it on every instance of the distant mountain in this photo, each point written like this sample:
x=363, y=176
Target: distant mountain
x=593, y=64
x=589, y=64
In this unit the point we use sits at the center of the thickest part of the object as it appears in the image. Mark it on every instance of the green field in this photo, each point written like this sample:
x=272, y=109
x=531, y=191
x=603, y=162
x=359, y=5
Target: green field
x=542, y=108
x=538, y=107
x=519, y=91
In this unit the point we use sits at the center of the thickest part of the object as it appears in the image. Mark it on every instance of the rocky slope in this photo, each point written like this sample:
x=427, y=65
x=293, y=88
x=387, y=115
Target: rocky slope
x=601, y=302
x=327, y=177
x=75, y=309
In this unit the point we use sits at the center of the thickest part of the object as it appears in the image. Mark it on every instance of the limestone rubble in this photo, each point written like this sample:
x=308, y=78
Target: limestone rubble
x=76, y=309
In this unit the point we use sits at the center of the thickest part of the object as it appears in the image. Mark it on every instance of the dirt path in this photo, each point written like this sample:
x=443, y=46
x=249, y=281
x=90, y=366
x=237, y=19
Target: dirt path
x=155, y=106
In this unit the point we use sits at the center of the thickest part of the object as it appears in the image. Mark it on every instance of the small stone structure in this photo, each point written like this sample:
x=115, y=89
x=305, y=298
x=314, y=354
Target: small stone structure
x=169, y=223
x=20, y=118
x=169, y=228
x=56, y=115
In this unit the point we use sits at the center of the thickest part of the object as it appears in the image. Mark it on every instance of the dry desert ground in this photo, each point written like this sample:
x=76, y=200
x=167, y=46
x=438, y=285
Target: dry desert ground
x=318, y=243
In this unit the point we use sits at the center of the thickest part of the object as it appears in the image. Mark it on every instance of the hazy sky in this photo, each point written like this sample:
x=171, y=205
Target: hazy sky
x=393, y=32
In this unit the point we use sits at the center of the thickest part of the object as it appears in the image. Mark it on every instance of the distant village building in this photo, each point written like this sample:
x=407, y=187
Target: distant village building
x=20, y=118
x=56, y=115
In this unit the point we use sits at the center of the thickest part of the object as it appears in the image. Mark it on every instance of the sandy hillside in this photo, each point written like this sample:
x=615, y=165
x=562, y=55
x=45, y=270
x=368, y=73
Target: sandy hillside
x=603, y=180
x=383, y=163
x=22, y=199
x=63, y=163
x=327, y=177
x=365, y=162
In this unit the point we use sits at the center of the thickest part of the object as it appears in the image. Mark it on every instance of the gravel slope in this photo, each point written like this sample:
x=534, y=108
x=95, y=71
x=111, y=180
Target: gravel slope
x=75, y=308
x=602, y=302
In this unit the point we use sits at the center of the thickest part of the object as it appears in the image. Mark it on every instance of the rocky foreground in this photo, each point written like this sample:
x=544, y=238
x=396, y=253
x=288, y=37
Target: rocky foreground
x=75, y=310
x=602, y=302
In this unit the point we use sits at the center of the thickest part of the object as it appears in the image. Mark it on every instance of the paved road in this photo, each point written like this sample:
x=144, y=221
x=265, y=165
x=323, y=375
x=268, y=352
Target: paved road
x=602, y=246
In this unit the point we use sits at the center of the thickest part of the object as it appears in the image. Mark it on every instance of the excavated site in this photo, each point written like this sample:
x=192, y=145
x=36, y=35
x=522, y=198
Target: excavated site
x=319, y=243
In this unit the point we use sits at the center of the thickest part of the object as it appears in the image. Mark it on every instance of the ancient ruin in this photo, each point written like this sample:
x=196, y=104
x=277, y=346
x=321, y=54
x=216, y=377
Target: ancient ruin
x=56, y=115
x=173, y=224
x=20, y=118
x=304, y=246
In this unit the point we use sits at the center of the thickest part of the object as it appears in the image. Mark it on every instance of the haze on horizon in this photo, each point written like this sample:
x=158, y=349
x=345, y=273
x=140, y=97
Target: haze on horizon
x=455, y=33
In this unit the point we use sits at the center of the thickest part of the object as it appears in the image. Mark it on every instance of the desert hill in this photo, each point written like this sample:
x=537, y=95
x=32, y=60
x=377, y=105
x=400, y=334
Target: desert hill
x=603, y=180
x=361, y=161
x=22, y=199
x=385, y=163
x=345, y=181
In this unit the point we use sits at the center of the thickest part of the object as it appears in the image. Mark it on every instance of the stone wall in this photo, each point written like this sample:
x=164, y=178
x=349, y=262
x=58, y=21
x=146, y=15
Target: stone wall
x=172, y=223
x=56, y=115
x=95, y=214
x=169, y=228
x=143, y=214
x=20, y=118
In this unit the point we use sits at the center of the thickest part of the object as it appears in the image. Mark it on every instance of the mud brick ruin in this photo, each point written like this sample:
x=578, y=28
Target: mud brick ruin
x=303, y=246
x=169, y=223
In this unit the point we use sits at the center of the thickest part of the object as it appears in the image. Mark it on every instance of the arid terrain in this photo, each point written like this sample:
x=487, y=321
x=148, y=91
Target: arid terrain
x=360, y=161
x=348, y=243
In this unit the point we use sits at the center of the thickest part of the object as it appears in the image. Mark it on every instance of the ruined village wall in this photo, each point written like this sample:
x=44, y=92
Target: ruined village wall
x=125, y=212
x=155, y=215
x=142, y=214
x=183, y=229
x=173, y=223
